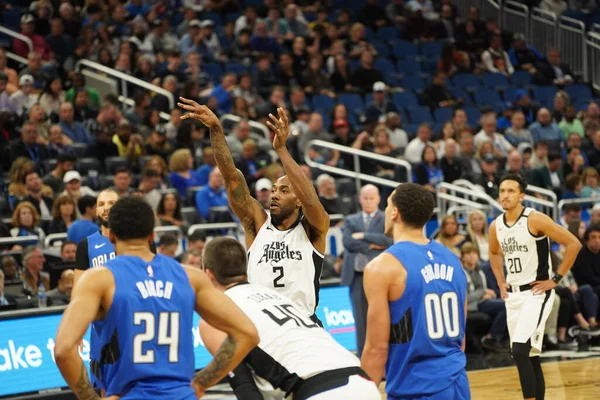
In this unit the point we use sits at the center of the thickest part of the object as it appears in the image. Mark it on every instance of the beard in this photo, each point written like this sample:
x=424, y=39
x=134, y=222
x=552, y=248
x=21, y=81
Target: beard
x=103, y=222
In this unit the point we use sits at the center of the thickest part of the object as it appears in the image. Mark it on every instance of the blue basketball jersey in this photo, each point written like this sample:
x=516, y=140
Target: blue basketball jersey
x=427, y=322
x=100, y=252
x=146, y=342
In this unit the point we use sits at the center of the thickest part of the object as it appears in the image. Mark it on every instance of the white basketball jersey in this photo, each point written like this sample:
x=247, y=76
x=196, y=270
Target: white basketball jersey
x=526, y=257
x=287, y=262
x=291, y=345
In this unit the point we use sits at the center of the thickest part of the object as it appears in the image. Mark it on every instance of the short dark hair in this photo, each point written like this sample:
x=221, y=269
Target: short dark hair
x=84, y=203
x=226, y=258
x=123, y=169
x=572, y=180
x=65, y=157
x=572, y=207
x=517, y=178
x=592, y=228
x=27, y=174
x=196, y=236
x=131, y=217
x=415, y=204
x=150, y=173
x=65, y=244
x=554, y=157
x=168, y=239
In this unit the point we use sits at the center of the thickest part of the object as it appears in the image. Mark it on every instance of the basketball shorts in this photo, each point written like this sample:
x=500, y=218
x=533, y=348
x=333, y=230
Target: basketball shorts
x=349, y=383
x=459, y=390
x=357, y=388
x=526, y=316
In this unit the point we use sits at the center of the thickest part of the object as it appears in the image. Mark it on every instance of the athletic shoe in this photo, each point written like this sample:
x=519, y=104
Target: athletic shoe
x=590, y=331
x=493, y=345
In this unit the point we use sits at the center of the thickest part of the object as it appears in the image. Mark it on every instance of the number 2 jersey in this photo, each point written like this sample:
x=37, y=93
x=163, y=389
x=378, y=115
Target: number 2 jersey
x=292, y=347
x=526, y=257
x=427, y=322
x=145, y=343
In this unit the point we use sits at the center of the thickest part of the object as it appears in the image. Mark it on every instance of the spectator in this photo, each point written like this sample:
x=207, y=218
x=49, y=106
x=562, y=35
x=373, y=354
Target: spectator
x=446, y=28
x=467, y=160
x=459, y=119
x=561, y=101
x=241, y=133
x=449, y=164
x=54, y=179
x=17, y=172
x=34, y=69
x=448, y=132
x=38, y=117
x=33, y=275
x=591, y=183
x=571, y=212
x=61, y=295
x=122, y=182
x=5, y=300
x=27, y=146
x=315, y=80
x=42, y=203
x=223, y=92
x=316, y=132
x=64, y=213
x=78, y=82
x=81, y=107
x=197, y=240
x=39, y=43
x=10, y=268
x=481, y=298
x=517, y=133
x=340, y=78
x=253, y=162
x=539, y=158
x=550, y=176
x=60, y=44
x=193, y=258
x=449, y=235
x=23, y=99
x=52, y=96
x=6, y=103
x=556, y=73
x=365, y=76
x=328, y=196
x=264, y=78
x=477, y=233
x=148, y=184
x=523, y=102
x=25, y=221
x=495, y=59
x=211, y=195
x=263, y=42
x=545, y=129
x=488, y=134
x=586, y=268
x=167, y=245
x=428, y=173
x=169, y=210
x=85, y=225
x=570, y=123
x=74, y=130
x=396, y=12
x=373, y=15
x=489, y=178
x=398, y=136
x=523, y=57
x=13, y=78
x=574, y=162
x=414, y=150
x=380, y=105
x=515, y=165
x=73, y=188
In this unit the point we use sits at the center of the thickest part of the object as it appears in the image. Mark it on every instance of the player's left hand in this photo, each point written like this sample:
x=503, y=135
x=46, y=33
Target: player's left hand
x=540, y=287
x=281, y=128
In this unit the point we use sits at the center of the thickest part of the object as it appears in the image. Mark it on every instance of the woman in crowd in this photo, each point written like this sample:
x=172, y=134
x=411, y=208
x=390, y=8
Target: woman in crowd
x=591, y=180
x=64, y=213
x=477, y=233
x=52, y=96
x=448, y=132
x=158, y=164
x=449, y=235
x=25, y=222
x=428, y=173
x=169, y=211
x=182, y=175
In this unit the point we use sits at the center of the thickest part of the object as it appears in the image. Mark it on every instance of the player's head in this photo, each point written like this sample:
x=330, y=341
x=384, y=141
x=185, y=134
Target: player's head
x=106, y=199
x=410, y=205
x=224, y=260
x=131, y=218
x=283, y=201
x=512, y=191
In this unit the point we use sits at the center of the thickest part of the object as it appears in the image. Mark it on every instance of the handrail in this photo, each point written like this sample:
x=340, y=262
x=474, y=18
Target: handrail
x=19, y=239
x=464, y=183
x=253, y=124
x=131, y=103
x=16, y=57
x=546, y=192
x=207, y=227
x=456, y=199
x=54, y=236
x=127, y=78
x=562, y=203
x=479, y=194
x=17, y=35
x=357, y=174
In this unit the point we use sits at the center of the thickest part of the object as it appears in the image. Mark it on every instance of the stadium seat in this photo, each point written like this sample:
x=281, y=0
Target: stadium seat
x=236, y=68
x=190, y=215
x=191, y=194
x=214, y=17
x=387, y=33
x=87, y=164
x=545, y=95
x=462, y=94
x=384, y=66
x=467, y=81
x=419, y=115
x=406, y=99
x=409, y=67
x=579, y=93
x=323, y=103
x=49, y=165
x=345, y=186
x=113, y=163
x=382, y=48
x=495, y=81
x=473, y=116
x=354, y=64
x=443, y=114
x=413, y=82
x=484, y=97
x=105, y=181
x=403, y=49
x=521, y=78
x=510, y=93
x=78, y=149
x=4, y=207
x=431, y=50
x=213, y=70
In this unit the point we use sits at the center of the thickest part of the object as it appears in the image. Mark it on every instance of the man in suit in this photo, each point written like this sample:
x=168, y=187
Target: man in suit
x=363, y=240
x=43, y=204
x=550, y=176
x=27, y=146
x=556, y=73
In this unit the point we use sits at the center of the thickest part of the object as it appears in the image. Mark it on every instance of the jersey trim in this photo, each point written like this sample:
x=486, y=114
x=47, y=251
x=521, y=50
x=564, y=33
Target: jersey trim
x=82, y=258
x=318, y=263
x=402, y=332
x=516, y=220
x=543, y=253
x=268, y=368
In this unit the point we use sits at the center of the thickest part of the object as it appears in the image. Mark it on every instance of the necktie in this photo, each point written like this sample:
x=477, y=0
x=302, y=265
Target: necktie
x=361, y=260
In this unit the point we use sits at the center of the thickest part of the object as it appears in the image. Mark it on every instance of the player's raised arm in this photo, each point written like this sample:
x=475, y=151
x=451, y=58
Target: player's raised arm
x=497, y=261
x=221, y=312
x=376, y=282
x=312, y=208
x=245, y=207
x=541, y=224
x=85, y=305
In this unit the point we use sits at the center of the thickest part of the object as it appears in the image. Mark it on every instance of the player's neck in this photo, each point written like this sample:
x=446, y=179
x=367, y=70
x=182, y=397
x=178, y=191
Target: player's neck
x=288, y=222
x=104, y=230
x=514, y=213
x=404, y=234
x=134, y=248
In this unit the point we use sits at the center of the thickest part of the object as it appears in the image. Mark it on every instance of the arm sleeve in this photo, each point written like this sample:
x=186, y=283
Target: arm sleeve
x=243, y=385
x=82, y=260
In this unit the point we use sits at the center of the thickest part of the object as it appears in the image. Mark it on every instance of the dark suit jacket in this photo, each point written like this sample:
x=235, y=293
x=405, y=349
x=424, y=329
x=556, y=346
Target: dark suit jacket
x=45, y=199
x=374, y=235
x=18, y=149
x=541, y=177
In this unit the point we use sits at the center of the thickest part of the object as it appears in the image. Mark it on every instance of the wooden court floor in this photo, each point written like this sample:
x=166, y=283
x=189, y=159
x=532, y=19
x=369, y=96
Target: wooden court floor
x=565, y=380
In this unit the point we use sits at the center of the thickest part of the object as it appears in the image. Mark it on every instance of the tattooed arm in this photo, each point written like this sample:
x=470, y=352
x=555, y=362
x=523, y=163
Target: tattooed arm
x=85, y=306
x=246, y=208
x=220, y=311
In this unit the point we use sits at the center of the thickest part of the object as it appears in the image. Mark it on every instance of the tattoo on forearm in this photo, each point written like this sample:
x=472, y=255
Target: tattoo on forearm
x=219, y=365
x=83, y=388
x=221, y=150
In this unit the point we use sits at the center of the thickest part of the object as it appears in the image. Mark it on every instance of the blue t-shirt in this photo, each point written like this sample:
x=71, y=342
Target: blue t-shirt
x=181, y=184
x=428, y=322
x=207, y=197
x=146, y=336
x=80, y=229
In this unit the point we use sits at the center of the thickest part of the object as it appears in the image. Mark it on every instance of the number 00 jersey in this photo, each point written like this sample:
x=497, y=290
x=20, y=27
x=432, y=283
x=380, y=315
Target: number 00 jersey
x=526, y=257
x=292, y=347
x=147, y=351
x=287, y=262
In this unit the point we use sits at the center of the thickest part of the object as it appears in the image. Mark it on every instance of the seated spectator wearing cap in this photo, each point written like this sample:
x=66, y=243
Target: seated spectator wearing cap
x=517, y=133
x=85, y=225
x=546, y=129
x=6, y=103
x=489, y=178
x=39, y=43
x=27, y=146
x=524, y=57
x=74, y=130
x=438, y=95
x=262, y=192
x=380, y=104
x=488, y=134
x=24, y=98
x=550, y=176
x=73, y=188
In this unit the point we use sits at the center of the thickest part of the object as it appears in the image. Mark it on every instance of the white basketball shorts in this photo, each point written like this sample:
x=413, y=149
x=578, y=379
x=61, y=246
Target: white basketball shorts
x=357, y=388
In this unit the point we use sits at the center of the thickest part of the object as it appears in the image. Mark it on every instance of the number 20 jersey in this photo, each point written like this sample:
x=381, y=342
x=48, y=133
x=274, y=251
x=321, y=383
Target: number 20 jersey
x=147, y=349
x=526, y=257
x=427, y=322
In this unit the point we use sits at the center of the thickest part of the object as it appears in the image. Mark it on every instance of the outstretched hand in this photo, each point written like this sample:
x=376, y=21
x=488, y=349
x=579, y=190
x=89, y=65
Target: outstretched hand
x=199, y=112
x=281, y=128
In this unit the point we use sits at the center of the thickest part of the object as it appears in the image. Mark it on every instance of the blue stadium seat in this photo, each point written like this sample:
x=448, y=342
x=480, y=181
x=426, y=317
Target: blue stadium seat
x=354, y=64
x=545, y=95
x=581, y=105
x=214, y=17
x=323, y=103
x=387, y=33
x=484, y=97
x=403, y=49
x=369, y=34
x=510, y=93
x=232, y=16
x=495, y=81
x=383, y=49
x=384, y=66
x=431, y=50
x=413, y=82
x=310, y=17
x=473, y=116
x=521, y=78
x=467, y=81
x=353, y=102
x=236, y=68
x=462, y=94
x=579, y=93
x=409, y=67
x=411, y=129
x=391, y=78
x=11, y=19
x=406, y=99
x=213, y=70
x=419, y=115
x=443, y=114
x=326, y=119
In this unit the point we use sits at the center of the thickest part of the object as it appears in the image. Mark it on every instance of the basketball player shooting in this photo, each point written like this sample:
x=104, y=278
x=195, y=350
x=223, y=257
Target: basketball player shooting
x=285, y=248
x=523, y=236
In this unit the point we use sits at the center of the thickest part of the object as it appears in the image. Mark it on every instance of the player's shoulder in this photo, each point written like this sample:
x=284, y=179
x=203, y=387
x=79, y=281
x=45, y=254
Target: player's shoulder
x=96, y=276
x=384, y=264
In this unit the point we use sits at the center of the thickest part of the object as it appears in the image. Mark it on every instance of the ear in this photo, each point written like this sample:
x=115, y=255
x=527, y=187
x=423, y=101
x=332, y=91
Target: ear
x=112, y=237
x=151, y=239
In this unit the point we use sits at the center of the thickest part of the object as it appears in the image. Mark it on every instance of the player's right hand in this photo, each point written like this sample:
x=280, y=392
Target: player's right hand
x=504, y=290
x=196, y=111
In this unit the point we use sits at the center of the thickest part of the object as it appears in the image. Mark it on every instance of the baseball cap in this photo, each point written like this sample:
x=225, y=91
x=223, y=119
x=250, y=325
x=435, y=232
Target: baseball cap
x=379, y=87
x=71, y=176
x=519, y=94
x=263, y=184
x=596, y=207
x=340, y=123
x=27, y=18
x=489, y=158
x=194, y=24
x=518, y=36
x=207, y=23
x=26, y=79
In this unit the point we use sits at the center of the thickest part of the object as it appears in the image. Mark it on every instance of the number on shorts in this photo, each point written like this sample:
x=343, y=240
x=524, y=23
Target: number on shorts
x=168, y=335
x=514, y=265
x=442, y=315
x=288, y=313
x=278, y=270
